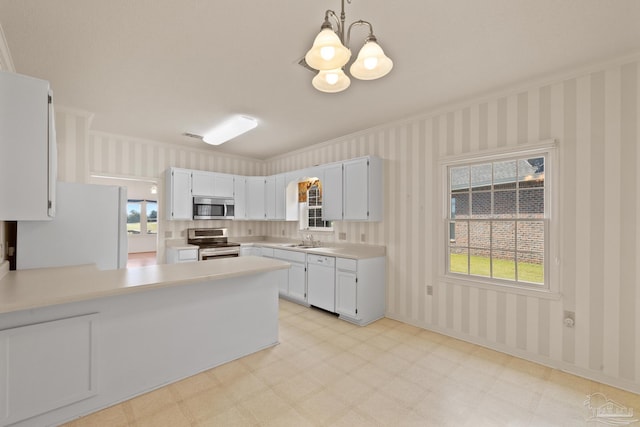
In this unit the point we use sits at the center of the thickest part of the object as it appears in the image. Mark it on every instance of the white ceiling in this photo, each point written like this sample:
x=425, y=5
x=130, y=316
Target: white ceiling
x=154, y=69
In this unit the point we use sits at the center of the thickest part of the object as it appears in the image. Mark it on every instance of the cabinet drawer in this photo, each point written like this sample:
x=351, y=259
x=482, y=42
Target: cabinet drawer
x=188, y=255
x=346, y=264
x=290, y=255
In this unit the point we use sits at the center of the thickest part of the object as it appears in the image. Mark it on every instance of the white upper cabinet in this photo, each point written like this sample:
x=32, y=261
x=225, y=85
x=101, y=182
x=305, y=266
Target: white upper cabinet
x=363, y=189
x=223, y=185
x=332, y=192
x=179, y=200
x=256, y=197
x=28, y=159
x=212, y=184
x=275, y=191
x=202, y=183
x=240, y=197
x=270, y=196
x=351, y=190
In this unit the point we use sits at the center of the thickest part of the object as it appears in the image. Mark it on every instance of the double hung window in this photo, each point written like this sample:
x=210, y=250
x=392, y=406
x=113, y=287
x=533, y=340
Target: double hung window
x=498, y=219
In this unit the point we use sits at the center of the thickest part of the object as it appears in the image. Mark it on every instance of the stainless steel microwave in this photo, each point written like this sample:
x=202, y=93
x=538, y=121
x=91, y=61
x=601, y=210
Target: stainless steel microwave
x=213, y=208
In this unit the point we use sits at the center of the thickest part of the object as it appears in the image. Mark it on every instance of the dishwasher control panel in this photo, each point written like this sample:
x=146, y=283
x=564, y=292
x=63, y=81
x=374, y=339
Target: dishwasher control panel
x=329, y=261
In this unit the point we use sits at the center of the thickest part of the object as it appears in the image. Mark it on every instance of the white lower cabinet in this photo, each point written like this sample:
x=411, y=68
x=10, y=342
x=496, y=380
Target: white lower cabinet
x=360, y=289
x=46, y=366
x=295, y=285
x=250, y=251
x=347, y=287
x=181, y=254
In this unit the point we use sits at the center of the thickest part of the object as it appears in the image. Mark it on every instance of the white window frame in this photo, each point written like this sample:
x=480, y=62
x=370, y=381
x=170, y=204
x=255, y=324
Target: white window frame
x=304, y=216
x=144, y=230
x=550, y=288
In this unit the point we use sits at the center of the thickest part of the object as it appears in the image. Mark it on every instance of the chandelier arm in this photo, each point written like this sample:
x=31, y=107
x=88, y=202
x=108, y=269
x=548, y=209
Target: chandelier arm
x=339, y=23
x=360, y=22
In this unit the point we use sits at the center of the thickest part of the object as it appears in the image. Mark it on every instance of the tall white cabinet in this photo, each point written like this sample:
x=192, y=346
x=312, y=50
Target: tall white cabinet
x=28, y=159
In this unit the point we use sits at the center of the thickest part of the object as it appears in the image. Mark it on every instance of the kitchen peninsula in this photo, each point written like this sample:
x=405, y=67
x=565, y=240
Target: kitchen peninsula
x=75, y=339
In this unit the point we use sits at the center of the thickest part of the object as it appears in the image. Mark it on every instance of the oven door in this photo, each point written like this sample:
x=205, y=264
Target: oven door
x=210, y=254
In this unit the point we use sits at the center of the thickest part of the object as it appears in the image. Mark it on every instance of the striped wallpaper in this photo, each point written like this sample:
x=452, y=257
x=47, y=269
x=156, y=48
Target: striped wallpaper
x=593, y=115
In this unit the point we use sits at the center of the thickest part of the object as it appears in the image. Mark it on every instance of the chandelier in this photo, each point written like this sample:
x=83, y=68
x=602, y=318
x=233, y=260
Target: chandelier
x=330, y=53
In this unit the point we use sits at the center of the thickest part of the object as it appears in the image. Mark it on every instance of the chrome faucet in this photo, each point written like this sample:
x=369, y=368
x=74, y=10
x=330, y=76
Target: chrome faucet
x=312, y=242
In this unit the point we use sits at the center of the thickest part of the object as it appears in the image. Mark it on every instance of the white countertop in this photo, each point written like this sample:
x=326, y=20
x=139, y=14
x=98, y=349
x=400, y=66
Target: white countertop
x=343, y=251
x=41, y=287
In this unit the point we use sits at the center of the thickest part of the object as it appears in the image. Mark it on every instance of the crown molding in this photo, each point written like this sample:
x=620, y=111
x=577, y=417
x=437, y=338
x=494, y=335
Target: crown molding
x=6, y=63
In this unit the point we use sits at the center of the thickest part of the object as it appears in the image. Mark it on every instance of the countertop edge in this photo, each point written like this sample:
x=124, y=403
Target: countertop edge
x=123, y=284
x=364, y=252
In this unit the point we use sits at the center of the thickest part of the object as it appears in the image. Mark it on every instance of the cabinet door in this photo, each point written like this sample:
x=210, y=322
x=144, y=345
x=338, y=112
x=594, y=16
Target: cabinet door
x=255, y=197
x=270, y=197
x=281, y=192
x=202, y=183
x=223, y=185
x=346, y=293
x=240, y=197
x=332, y=192
x=356, y=190
x=27, y=149
x=298, y=281
x=179, y=198
x=47, y=366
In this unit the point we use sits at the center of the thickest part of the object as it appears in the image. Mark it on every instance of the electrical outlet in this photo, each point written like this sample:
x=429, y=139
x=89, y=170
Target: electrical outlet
x=283, y=231
x=569, y=319
x=249, y=232
x=363, y=237
x=429, y=290
x=168, y=234
x=342, y=236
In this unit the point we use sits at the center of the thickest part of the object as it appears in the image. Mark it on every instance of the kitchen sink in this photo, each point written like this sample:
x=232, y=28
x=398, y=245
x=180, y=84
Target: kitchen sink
x=298, y=245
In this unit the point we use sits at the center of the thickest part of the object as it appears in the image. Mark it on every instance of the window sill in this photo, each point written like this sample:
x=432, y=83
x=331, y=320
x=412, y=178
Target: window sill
x=510, y=289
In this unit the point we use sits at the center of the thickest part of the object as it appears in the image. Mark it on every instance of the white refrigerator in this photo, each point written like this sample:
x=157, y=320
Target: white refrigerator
x=90, y=227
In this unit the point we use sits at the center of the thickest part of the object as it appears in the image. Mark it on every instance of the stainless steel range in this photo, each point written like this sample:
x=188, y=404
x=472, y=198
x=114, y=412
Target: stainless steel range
x=212, y=243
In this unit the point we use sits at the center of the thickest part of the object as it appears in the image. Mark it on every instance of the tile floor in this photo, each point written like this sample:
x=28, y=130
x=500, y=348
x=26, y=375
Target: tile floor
x=327, y=372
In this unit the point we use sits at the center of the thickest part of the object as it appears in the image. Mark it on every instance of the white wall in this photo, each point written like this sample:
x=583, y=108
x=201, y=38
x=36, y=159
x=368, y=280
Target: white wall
x=594, y=116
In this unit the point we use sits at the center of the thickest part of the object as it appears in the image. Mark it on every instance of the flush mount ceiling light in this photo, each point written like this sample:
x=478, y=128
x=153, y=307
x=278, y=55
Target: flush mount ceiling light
x=330, y=53
x=235, y=126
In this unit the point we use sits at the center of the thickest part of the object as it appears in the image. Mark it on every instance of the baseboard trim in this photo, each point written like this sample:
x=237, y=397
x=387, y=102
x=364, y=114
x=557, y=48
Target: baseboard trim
x=536, y=358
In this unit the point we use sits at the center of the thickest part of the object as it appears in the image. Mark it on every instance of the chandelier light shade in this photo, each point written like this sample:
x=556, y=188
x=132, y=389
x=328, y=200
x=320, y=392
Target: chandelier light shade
x=327, y=52
x=331, y=81
x=371, y=62
x=330, y=53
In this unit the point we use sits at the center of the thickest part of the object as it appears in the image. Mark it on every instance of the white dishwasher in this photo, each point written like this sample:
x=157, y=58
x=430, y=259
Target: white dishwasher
x=321, y=282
